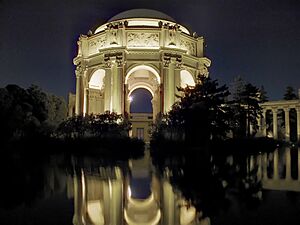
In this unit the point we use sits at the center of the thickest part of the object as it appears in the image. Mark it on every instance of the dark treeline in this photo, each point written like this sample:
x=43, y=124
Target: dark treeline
x=32, y=120
x=29, y=112
x=209, y=112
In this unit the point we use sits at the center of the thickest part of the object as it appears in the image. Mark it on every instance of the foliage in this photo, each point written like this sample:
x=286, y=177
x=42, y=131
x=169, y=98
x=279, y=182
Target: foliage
x=100, y=125
x=27, y=112
x=290, y=93
x=246, y=109
x=201, y=113
x=263, y=94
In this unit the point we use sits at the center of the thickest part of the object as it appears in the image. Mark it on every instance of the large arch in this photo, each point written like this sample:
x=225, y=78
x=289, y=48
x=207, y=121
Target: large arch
x=94, y=100
x=142, y=67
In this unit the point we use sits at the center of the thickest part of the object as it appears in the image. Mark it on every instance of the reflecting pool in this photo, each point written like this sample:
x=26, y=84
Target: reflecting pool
x=63, y=189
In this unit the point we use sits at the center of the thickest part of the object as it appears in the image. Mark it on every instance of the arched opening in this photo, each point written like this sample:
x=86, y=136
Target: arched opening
x=97, y=79
x=143, y=99
x=140, y=101
x=141, y=112
x=186, y=79
x=94, y=100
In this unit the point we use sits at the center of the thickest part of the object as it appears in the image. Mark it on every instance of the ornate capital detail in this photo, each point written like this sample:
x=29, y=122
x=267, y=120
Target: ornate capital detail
x=79, y=70
x=116, y=57
x=172, y=58
x=166, y=62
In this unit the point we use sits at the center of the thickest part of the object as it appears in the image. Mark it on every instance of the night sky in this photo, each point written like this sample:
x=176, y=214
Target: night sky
x=258, y=40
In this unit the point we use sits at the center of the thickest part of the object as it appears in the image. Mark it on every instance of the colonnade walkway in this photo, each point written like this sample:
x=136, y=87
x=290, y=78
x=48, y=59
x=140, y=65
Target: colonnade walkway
x=283, y=107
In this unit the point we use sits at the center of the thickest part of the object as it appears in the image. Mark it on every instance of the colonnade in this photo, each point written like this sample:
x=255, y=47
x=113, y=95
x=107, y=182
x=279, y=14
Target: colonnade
x=275, y=106
x=275, y=181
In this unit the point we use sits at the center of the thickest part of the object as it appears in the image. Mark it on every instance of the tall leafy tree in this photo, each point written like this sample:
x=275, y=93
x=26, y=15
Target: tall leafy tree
x=202, y=111
x=246, y=109
x=290, y=93
x=263, y=94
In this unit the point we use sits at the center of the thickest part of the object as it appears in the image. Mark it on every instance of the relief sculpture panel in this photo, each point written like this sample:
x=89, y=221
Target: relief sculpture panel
x=189, y=46
x=142, y=39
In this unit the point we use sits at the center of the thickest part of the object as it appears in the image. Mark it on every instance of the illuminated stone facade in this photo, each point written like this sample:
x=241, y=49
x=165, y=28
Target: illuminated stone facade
x=136, y=49
x=274, y=107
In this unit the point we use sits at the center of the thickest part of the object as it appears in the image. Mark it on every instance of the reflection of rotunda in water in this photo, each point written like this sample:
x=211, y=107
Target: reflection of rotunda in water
x=130, y=194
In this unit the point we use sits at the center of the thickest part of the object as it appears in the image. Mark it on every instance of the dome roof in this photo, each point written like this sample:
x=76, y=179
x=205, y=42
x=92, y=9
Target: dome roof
x=141, y=13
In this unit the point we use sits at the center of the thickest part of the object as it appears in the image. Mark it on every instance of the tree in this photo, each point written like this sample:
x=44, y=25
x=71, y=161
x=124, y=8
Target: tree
x=263, y=94
x=201, y=111
x=246, y=109
x=290, y=93
x=28, y=112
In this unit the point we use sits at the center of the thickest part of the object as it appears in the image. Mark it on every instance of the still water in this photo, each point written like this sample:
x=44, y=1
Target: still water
x=74, y=190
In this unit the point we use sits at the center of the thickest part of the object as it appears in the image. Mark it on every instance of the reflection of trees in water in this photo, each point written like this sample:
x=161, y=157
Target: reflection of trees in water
x=206, y=181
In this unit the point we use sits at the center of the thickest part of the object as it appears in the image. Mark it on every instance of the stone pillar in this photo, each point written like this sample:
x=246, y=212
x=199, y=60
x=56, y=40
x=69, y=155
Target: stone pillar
x=106, y=200
x=275, y=165
x=275, y=126
x=177, y=80
x=298, y=162
x=264, y=123
x=79, y=200
x=259, y=170
x=287, y=124
x=119, y=87
x=298, y=124
x=116, y=202
x=86, y=101
x=166, y=103
x=78, y=102
x=168, y=203
x=107, y=89
x=171, y=76
x=287, y=164
x=265, y=164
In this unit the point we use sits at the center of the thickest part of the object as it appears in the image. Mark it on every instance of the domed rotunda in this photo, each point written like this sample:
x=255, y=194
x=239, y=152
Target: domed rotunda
x=136, y=49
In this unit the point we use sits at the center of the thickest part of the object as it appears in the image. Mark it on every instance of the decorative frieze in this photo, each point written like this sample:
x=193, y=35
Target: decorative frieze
x=143, y=39
x=96, y=44
x=189, y=46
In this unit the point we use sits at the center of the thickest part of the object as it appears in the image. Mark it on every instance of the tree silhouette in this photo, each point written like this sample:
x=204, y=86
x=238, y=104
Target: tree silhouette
x=290, y=93
x=201, y=111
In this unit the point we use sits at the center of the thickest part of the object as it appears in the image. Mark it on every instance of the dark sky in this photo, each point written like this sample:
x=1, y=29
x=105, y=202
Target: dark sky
x=256, y=39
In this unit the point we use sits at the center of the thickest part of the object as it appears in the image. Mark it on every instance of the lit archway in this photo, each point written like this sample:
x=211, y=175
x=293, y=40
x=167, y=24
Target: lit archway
x=97, y=79
x=186, y=79
x=142, y=67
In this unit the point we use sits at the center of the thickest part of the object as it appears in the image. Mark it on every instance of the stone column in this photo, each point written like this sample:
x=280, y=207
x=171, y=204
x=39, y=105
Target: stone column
x=177, y=80
x=264, y=123
x=119, y=87
x=287, y=163
x=166, y=85
x=298, y=124
x=275, y=126
x=106, y=200
x=171, y=76
x=79, y=200
x=259, y=171
x=275, y=165
x=86, y=101
x=78, y=101
x=298, y=162
x=265, y=164
x=107, y=89
x=287, y=124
